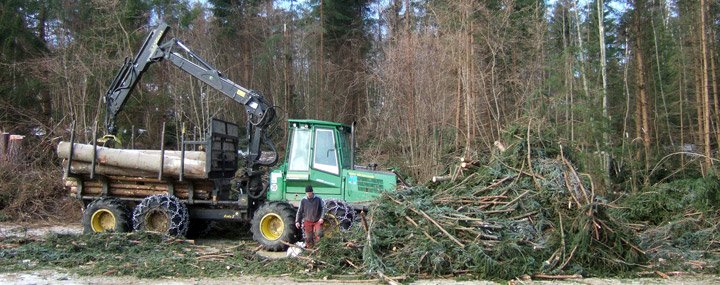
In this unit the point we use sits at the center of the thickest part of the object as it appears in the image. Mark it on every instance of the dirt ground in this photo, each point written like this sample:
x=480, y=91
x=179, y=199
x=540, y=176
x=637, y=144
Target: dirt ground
x=61, y=276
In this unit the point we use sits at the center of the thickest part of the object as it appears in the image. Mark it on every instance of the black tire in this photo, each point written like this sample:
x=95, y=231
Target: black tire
x=163, y=214
x=106, y=215
x=278, y=220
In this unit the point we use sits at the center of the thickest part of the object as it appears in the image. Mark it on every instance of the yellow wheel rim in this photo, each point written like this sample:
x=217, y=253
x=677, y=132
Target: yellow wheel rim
x=157, y=221
x=102, y=220
x=272, y=226
x=330, y=225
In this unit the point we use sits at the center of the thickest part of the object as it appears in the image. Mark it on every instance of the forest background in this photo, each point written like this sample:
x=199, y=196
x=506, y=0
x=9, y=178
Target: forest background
x=630, y=87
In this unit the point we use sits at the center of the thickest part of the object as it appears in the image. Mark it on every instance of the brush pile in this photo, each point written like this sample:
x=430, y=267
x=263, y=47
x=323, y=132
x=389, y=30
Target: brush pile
x=678, y=224
x=528, y=210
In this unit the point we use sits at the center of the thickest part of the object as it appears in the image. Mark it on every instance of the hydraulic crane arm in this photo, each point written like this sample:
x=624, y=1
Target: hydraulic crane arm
x=260, y=112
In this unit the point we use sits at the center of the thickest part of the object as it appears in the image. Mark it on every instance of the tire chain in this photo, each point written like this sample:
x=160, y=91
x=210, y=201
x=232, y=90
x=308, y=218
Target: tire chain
x=177, y=213
x=346, y=217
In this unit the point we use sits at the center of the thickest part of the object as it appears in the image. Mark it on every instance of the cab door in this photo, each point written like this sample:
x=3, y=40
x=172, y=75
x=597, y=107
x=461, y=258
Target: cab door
x=325, y=170
x=313, y=160
x=298, y=163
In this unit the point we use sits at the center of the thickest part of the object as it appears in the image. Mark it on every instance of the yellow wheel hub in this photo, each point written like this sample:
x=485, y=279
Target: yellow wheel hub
x=102, y=220
x=330, y=225
x=272, y=226
x=157, y=221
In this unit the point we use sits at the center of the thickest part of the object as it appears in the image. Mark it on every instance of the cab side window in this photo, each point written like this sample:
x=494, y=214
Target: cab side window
x=325, y=157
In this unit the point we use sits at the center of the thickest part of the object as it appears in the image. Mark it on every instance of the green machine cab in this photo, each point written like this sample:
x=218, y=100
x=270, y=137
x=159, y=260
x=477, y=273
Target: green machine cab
x=320, y=154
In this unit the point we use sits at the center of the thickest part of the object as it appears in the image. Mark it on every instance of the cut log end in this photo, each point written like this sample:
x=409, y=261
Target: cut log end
x=500, y=146
x=437, y=179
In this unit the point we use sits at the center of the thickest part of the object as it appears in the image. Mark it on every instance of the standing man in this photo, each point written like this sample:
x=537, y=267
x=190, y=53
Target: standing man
x=310, y=213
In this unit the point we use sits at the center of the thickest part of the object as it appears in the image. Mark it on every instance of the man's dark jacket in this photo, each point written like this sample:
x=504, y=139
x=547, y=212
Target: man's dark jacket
x=310, y=210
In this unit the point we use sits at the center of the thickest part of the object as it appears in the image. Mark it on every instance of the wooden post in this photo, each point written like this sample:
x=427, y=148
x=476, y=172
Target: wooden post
x=70, y=151
x=92, y=170
x=182, y=152
x=195, y=132
x=162, y=151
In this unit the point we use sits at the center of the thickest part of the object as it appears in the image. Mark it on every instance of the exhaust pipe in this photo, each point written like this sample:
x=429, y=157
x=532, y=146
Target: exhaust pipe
x=352, y=146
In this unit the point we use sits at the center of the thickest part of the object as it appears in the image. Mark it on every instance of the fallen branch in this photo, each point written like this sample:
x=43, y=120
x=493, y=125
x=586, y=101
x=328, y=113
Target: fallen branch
x=515, y=200
x=420, y=212
x=557, y=277
x=216, y=256
x=418, y=226
x=495, y=184
x=351, y=264
x=662, y=275
x=387, y=279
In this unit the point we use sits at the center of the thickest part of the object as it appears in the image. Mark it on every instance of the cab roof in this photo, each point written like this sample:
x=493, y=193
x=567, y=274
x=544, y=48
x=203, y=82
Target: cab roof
x=317, y=123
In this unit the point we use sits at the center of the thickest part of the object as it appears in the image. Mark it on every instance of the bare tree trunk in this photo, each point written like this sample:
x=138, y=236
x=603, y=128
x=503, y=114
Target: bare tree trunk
x=643, y=109
x=626, y=88
x=410, y=84
x=698, y=136
x=321, y=59
x=716, y=104
x=705, y=94
x=682, y=91
x=468, y=74
x=603, y=62
x=568, y=77
x=582, y=51
x=458, y=106
x=288, y=78
x=660, y=80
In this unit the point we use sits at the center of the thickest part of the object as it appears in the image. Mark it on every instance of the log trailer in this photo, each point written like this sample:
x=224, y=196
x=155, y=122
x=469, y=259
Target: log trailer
x=170, y=191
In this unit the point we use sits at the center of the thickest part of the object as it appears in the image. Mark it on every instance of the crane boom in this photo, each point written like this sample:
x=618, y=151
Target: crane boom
x=260, y=112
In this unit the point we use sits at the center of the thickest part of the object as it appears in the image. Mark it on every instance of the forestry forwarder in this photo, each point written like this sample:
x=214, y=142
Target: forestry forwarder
x=319, y=154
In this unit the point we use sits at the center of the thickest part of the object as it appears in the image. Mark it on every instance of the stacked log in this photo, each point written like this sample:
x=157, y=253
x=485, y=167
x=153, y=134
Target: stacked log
x=131, y=162
x=132, y=187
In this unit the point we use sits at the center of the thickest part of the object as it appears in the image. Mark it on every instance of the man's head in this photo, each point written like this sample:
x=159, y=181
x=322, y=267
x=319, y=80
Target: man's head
x=309, y=191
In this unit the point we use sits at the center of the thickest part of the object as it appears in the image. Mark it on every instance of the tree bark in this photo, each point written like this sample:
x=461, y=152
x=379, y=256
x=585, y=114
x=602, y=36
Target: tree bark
x=705, y=93
x=603, y=62
x=660, y=81
x=716, y=104
x=643, y=109
x=81, y=167
x=4, y=139
x=133, y=159
x=321, y=59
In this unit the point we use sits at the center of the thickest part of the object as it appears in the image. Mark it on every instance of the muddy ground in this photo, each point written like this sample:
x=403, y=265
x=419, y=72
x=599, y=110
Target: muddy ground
x=63, y=276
